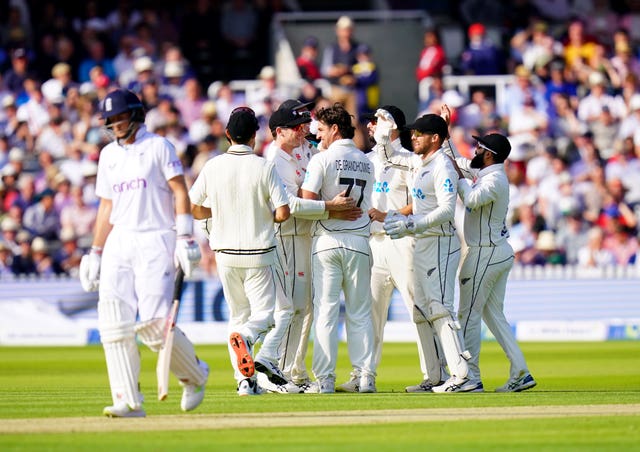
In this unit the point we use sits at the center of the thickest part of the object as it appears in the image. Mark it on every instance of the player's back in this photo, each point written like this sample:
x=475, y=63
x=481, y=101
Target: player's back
x=342, y=167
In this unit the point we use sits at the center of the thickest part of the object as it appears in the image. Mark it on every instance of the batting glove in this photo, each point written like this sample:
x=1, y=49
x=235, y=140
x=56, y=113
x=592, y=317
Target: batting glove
x=384, y=125
x=187, y=254
x=89, y=270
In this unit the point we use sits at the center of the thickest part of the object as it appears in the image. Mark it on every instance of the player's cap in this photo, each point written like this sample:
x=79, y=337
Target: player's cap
x=242, y=124
x=496, y=143
x=288, y=117
x=430, y=123
x=295, y=104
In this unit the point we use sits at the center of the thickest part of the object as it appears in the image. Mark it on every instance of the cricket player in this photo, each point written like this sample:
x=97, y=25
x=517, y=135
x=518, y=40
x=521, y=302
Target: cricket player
x=392, y=259
x=246, y=198
x=341, y=258
x=290, y=154
x=142, y=221
x=437, y=247
x=489, y=257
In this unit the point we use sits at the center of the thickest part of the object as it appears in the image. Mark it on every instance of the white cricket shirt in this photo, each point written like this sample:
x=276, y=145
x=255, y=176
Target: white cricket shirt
x=391, y=188
x=242, y=189
x=341, y=167
x=486, y=202
x=134, y=177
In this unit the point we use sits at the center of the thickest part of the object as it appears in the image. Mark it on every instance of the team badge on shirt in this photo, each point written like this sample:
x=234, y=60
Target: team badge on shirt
x=381, y=187
x=417, y=193
x=448, y=186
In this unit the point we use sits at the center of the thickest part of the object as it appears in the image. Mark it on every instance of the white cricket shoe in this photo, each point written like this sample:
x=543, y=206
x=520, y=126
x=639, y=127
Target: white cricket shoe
x=192, y=395
x=121, y=409
x=271, y=370
x=367, y=384
x=424, y=386
x=249, y=387
x=522, y=383
x=288, y=388
x=324, y=386
x=458, y=384
x=353, y=385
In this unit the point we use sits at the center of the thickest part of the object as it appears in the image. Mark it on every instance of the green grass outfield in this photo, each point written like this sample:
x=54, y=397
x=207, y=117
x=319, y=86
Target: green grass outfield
x=587, y=398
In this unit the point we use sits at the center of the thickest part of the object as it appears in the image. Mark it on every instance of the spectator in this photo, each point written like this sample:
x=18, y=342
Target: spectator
x=337, y=63
x=366, y=81
x=307, y=60
x=41, y=218
x=432, y=57
x=621, y=242
x=481, y=57
x=69, y=254
x=593, y=254
x=590, y=106
x=45, y=264
x=239, y=27
x=79, y=216
x=23, y=263
x=96, y=56
x=18, y=72
x=573, y=234
x=6, y=259
x=190, y=105
x=578, y=47
x=9, y=229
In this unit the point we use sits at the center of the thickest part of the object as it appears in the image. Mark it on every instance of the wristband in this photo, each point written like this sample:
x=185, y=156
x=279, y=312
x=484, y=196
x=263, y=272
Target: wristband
x=96, y=249
x=184, y=224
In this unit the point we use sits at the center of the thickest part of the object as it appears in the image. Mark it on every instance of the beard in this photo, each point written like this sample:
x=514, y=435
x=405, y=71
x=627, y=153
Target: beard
x=476, y=161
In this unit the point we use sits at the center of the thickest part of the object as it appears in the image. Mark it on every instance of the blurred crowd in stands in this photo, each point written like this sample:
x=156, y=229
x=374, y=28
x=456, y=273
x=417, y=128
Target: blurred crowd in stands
x=572, y=114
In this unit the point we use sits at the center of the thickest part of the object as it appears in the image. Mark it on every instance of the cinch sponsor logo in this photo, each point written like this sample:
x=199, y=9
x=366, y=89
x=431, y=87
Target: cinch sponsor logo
x=381, y=187
x=174, y=164
x=133, y=184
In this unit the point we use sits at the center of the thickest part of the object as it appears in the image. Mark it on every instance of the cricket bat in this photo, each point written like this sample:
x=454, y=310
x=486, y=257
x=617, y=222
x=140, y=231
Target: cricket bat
x=164, y=355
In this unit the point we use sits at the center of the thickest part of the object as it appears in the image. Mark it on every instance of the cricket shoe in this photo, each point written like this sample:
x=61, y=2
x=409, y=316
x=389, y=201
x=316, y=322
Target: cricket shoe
x=288, y=388
x=303, y=385
x=424, y=386
x=249, y=387
x=458, y=384
x=242, y=350
x=121, y=409
x=353, y=385
x=323, y=386
x=272, y=371
x=192, y=395
x=367, y=384
x=522, y=383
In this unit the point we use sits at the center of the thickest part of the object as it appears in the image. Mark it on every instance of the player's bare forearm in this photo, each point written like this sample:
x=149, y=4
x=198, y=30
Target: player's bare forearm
x=200, y=212
x=306, y=194
x=406, y=210
x=102, y=227
x=179, y=188
x=350, y=215
x=281, y=214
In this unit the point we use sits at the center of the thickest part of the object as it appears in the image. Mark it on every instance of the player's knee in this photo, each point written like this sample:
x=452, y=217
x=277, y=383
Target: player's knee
x=150, y=333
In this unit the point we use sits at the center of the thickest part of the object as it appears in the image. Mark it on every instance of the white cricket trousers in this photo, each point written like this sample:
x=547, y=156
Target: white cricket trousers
x=250, y=294
x=295, y=256
x=483, y=282
x=392, y=268
x=435, y=265
x=341, y=262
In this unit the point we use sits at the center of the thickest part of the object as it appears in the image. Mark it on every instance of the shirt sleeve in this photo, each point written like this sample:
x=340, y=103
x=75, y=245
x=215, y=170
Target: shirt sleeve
x=445, y=186
x=197, y=192
x=170, y=162
x=277, y=192
x=314, y=175
x=481, y=193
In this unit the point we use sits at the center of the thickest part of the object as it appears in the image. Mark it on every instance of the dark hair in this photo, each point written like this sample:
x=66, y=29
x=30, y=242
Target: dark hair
x=339, y=116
